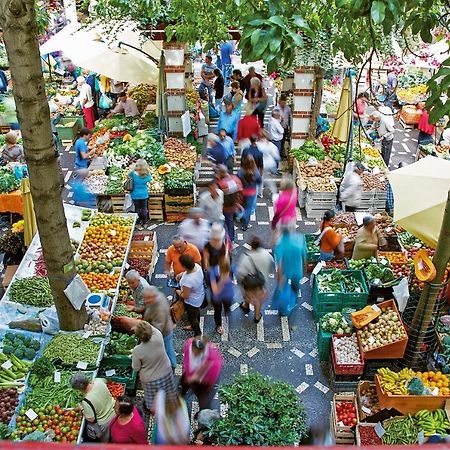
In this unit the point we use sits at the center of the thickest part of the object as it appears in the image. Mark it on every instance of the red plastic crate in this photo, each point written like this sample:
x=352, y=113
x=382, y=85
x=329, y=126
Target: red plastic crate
x=345, y=369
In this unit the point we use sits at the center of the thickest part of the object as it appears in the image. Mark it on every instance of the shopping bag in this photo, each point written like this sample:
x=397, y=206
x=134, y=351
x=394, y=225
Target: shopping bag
x=105, y=102
x=284, y=299
x=128, y=205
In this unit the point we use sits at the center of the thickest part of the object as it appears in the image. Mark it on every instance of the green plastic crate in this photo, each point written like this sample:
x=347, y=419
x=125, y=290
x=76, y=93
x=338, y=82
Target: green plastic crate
x=324, y=344
x=350, y=299
x=68, y=133
x=120, y=361
x=311, y=257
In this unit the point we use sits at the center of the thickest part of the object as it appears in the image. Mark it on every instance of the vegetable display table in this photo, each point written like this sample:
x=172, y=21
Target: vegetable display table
x=11, y=203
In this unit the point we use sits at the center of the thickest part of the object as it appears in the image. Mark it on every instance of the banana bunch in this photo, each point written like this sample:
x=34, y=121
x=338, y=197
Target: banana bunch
x=433, y=422
x=395, y=383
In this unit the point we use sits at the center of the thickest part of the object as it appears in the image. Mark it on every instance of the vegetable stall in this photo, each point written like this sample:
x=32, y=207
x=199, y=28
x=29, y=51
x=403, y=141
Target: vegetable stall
x=37, y=360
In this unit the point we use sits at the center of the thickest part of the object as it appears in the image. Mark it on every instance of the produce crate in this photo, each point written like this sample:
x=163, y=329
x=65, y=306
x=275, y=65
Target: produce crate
x=311, y=256
x=78, y=119
x=409, y=404
x=174, y=217
x=323, y=344
x=116, y=361
x=358, y=434
x=156, y=207
x=342, y=434
x=361, y=386
x=395, y=257
x=395, y=350
x=117, y=202
x=345, y=369
x=356, y=298
x=67, y=133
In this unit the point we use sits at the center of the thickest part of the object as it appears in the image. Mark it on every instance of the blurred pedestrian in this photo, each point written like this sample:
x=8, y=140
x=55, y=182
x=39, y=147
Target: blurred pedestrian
x=253, y=270
x=228, y=120
x=195, y=229
x=228, y=145
x=83, y=153
x=247, y=80
x=211, y=201
x=237, y=76
x=254, y=151
x=258, y=99
x=207, y=75
x=237, y=97
x=384, y=122
x=216, y=152
x=286, y=121
x=426, y=129
x=284, y=208
x=140, y=177
x=250, y=179
x=271, y=157
x=276, y=130
x=226, y=50
x=351, y=188
x=248, y=126
x=151, y=361
x=86, y=101
x=219, y=84
x=202, y=365
x=137, y=284
x=217, y=248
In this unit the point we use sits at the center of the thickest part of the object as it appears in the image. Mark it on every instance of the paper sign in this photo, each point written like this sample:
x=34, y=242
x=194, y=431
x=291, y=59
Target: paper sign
x=417, y=245
x=379, y=430
x=113, y=232
x=435, y=391
x=82, y=365
x=384, y=262
x=109, y=254
x=420, y=438
x=7, y=364
x=87, y=334
x=186, y=123
x=110, y=373
x=366, y=410
x=57, y=377
x=146, y=238
x=303, y=280
x=388, y=229
x=376, y=308
x=31, y=414
x=376, y=170
x=381, y=178
x=371, y=339
x=127, y=266
x=114, y=178
x=318, y=268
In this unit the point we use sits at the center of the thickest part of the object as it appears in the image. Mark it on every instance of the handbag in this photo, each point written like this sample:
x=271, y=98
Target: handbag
x=93, y=429
x=128, y=184
x=277, y=216
x=284, y=299
x=254, y=280
x=177, y=309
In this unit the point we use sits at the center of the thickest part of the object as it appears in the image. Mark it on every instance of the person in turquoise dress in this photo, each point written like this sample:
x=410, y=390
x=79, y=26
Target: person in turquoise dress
x=140, y=176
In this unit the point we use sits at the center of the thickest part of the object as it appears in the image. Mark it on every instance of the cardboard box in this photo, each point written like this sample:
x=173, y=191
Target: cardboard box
x=9, y=273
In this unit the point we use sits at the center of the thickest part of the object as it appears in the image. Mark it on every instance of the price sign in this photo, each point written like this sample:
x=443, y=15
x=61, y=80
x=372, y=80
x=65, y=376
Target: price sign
x=87, y=334
x=109, y=254
x=379, y=430
x=376, y=308
x=57, y=377
x=371, y=339
x=110, y=373
x=146, y=238
x=366, y=410
x=82, y=365
x=31, y=414
x=113, y=232
x=114, y=178
x=7, y=365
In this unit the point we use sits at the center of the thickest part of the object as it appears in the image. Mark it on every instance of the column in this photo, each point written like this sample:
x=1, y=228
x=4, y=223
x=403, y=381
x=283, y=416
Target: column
x=303, y=95
x=175, y=86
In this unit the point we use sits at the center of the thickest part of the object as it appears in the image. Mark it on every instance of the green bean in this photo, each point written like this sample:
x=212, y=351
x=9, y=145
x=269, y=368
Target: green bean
x=33, y=291
x=71, y=348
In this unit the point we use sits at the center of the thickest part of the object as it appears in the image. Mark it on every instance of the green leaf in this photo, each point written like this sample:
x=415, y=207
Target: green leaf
x=256, y=22
x=255, y=36
x=277, y=20
x=300, y=22
x=425, y=34
x=377, y=11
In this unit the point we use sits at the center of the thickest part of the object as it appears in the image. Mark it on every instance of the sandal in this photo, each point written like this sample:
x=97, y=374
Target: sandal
x=243, y=307
x=219, y=330
x=257, y=320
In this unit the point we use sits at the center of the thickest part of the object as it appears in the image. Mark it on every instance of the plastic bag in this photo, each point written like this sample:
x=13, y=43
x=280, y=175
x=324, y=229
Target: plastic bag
x=105, y=102
x=284, y=299
x=77, y=292
x=49, y=320
x=401, y=294
x=128, y=205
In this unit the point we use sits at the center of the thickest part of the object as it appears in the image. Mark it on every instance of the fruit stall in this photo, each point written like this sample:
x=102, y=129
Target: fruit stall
x=120, y=144
x=37, y=360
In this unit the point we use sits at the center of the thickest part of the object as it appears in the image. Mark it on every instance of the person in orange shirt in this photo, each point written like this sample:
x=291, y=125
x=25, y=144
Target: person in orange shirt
x=180, y=247
x=330, y=242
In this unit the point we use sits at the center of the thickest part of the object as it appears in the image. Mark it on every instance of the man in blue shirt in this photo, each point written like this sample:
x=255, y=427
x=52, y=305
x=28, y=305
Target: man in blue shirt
x=226, y=50
x=82, y=152
x=228, y=145
x=228, y=120
x=216, y=152
x=207, y=74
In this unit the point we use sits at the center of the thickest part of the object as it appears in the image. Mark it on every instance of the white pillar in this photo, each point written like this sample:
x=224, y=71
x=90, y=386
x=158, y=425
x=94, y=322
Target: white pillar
x=70, y=10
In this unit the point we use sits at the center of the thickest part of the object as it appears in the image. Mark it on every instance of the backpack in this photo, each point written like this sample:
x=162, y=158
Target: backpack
x=254, y=280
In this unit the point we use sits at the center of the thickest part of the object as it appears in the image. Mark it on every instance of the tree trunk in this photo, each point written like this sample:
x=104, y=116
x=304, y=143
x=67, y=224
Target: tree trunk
x=315, y=112
x=17, y=19
x=423, y=315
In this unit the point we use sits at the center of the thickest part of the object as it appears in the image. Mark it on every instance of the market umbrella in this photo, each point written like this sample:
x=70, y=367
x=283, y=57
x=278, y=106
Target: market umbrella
x=344, y=113
x=420, y=194
x=29, y=218
x=161, y=102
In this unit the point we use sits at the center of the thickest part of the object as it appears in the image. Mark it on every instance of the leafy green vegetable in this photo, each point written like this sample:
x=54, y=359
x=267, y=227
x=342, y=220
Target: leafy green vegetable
x=179, y=178
x=8, y=181
x=307, y=150
x=335, y=322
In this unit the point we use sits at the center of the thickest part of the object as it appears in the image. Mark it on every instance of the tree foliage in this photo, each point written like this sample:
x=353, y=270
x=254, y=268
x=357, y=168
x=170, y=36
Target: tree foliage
x=274, y=30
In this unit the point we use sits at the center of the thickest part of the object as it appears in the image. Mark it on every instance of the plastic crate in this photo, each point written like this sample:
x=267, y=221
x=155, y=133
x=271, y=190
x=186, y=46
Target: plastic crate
x=68, y=133
x=323, y=344
x=345, y=369
x=116, y=361
x=312, y=256
x=357, y=298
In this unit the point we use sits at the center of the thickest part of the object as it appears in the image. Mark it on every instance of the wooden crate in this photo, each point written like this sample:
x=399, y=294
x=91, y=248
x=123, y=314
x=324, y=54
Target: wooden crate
x=156, y=207
x=342, y=434
x=390, y=351
x=358, y=435
x=117, y=202
x=361, y=386
x=409, y=404
x=173, y=217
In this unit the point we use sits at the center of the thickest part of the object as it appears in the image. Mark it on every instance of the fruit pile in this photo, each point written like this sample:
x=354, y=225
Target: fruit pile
x=346, y=413
x=65, y=423
x=395, y=383
x=434, y=380
x=433, y=422
x=98, y=282
x=97, y=267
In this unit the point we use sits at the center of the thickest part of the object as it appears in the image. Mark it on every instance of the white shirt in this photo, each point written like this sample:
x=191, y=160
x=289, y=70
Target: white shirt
x=85, y=93
x=386, y=125
x=275, y=129
x=193, y=233
x=213, y=207
x=194, y=281
x=351, y=189
x=270, y=154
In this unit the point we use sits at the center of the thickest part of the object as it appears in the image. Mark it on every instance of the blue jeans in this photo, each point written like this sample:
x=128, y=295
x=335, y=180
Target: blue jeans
x=229, y=224
x=326, y=256
x=168, y=345
x=226, y=70
x=208, y=87
x=249, y=208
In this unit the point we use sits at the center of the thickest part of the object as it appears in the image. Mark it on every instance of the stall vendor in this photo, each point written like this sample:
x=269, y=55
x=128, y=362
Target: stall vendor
x=126, y=106
x=12, y=151
x=368, y=239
